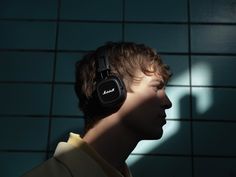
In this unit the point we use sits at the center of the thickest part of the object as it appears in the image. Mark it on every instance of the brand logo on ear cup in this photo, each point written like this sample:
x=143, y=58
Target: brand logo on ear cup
x=108, y=91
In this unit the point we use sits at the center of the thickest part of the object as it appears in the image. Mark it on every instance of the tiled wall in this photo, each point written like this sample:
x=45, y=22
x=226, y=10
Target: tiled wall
x=41, y=40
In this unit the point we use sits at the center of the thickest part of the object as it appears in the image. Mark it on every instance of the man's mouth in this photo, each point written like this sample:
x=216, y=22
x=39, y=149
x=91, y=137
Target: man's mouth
x=163, y=119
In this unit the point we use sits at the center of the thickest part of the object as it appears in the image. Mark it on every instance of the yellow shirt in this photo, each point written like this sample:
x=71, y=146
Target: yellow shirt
x=76, y=159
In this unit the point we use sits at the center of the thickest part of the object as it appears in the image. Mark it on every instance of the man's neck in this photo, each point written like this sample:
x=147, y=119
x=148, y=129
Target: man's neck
x=112, y=142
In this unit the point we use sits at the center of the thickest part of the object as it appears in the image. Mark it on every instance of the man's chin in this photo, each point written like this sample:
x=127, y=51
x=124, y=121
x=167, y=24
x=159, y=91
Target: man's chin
x=155, y=136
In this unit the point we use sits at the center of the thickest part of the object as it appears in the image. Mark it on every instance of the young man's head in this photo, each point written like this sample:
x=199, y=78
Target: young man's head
x=144, y=76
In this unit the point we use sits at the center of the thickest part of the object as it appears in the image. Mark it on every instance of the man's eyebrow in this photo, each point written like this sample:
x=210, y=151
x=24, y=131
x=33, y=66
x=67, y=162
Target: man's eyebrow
x=157, y=81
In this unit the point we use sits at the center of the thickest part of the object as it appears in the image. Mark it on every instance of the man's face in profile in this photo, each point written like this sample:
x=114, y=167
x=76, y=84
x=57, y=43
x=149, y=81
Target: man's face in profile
x=144, y=108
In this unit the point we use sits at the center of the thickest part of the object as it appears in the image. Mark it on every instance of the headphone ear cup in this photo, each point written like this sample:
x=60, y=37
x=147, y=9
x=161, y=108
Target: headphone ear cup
x=111, y=92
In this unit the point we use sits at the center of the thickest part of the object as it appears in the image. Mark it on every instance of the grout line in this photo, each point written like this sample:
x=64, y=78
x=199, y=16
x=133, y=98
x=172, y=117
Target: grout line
x=85, y=51
x=118, y=21
x=190, y=83
x=123, y=20
x=53, y=80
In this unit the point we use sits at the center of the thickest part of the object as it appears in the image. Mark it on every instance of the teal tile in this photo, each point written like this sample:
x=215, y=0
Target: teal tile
x=179, y=96
x=65, y=69
x=213, y=11
x=179, y=66
x=87, y=36
x=23, y=133
x=175, y=140
x=165, y=38
x=29, y=35
x=214, y=103
x=214, y=138
x=27, y=9
x=65, y=101
x=216, y=167
x=26, y=66
x=91, y=10
x=25, y=99
x=17, y=163
x=213, y=70
x=61, y=128
x=156, y=10
x=213, y=38
x=152, y=166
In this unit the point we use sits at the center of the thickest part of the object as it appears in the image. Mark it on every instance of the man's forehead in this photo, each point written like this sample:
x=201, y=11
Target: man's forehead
x=139, y=73
x=153, y=76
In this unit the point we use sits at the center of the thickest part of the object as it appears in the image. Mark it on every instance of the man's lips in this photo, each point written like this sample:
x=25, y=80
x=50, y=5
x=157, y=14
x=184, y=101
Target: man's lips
x=163, y=117
x=164, y=121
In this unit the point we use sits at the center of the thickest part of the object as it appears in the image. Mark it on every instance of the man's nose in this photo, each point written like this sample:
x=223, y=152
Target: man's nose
x=167, y=103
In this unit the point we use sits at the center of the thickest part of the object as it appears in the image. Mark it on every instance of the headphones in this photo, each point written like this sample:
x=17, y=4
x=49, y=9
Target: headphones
x=110, y=89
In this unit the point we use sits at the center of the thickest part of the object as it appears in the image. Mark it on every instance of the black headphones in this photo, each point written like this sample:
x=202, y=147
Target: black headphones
x=110, y=89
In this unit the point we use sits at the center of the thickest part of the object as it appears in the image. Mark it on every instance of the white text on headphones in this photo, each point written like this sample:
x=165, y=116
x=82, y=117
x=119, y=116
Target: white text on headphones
x=108, y=91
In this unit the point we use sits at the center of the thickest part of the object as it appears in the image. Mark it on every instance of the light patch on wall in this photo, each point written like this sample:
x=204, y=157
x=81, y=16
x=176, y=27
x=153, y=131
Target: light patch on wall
x=202, y=75
x=204, y=102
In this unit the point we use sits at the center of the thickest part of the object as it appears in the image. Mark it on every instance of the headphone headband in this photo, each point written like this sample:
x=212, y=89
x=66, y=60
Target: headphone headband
x=110, y=90
x=102, y=64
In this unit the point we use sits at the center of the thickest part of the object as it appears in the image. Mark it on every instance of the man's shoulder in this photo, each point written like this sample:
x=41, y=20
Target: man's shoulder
x=68, y=161
x=50, y=168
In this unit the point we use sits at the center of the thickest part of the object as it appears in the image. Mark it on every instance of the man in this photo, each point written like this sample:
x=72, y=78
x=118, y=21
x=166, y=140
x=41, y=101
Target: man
x=121, y=91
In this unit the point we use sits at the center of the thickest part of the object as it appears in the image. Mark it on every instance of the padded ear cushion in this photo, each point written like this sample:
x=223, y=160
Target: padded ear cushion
x=111, y=92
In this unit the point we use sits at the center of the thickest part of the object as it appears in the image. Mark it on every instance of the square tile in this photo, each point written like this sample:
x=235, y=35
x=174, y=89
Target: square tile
x=91, y=10
x=87, y=36
x=65, y=101
x=213, y=103
x=30, y=99
x=17, y=163
x=156, y=10
x=213, y=70
x=23, y=133
x=213, y=39
x=213, y=11
x=65, y=69
x=164, y=38
x=216, y=167
x=214, y=138
x=27, y=9
x=26, y=66
x=29, y=35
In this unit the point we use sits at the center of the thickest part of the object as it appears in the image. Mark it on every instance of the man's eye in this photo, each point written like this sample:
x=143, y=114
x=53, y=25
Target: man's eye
x=157, y=87
x=160, y=86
